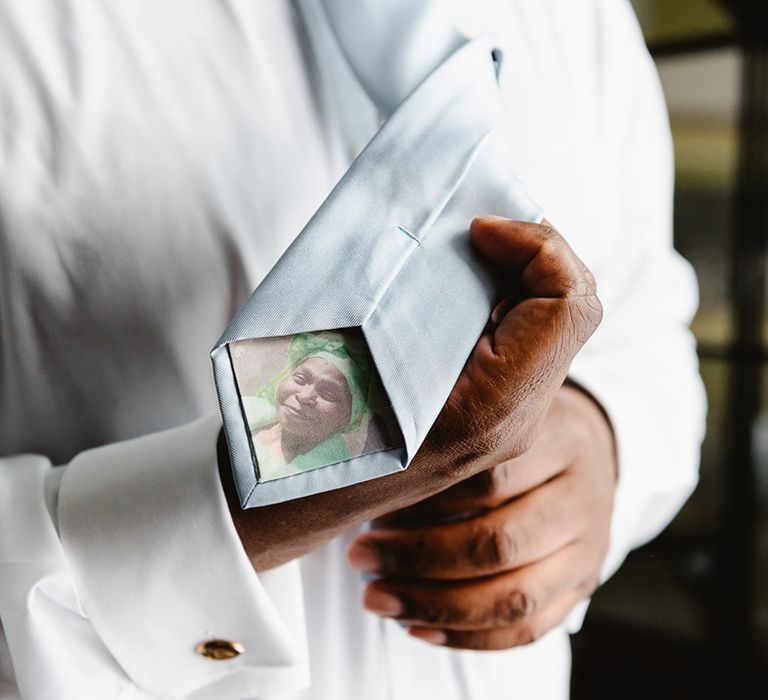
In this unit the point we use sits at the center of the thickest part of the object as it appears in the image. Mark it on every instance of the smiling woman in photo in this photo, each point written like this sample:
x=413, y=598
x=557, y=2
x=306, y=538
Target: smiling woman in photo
x=300, y=416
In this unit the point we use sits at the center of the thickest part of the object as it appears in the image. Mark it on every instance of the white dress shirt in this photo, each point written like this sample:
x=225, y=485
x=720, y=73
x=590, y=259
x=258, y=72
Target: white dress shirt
x=156, y=159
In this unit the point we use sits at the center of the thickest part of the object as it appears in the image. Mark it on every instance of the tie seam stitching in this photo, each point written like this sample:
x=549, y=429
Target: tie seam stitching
x=410, y=235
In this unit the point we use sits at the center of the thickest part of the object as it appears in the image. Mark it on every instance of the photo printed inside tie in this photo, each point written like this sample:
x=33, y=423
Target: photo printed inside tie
x=311, y=400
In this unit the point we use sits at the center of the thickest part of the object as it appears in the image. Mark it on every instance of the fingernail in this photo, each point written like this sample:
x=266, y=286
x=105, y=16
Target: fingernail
x=364, y=557
x=427, y=634
x=383, y=603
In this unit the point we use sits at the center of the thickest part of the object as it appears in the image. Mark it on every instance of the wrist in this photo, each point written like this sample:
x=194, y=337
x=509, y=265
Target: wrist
x=590, y=419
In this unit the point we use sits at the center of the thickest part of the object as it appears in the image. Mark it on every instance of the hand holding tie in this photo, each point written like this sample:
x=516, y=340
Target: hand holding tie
x=494, y=414
x=499, y=559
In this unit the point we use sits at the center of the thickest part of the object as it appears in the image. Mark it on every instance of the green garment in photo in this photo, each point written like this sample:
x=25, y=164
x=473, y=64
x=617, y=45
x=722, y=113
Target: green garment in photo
x=351, y=358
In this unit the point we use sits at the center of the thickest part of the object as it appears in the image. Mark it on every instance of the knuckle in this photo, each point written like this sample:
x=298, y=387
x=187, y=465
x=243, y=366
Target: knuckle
x=589, y=280
x=523, y=602
x=515, y=606
x=494, y=548
x=582, y=281
x=585, y=313
x=551, y=248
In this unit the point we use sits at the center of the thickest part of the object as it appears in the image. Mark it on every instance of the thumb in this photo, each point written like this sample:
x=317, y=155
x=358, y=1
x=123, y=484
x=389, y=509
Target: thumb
x=519, y=363
x=548, y=265
x=554, y=285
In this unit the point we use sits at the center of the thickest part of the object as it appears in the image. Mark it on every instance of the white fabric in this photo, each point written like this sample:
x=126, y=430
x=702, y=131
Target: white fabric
x=392, y=46
x=157, y=158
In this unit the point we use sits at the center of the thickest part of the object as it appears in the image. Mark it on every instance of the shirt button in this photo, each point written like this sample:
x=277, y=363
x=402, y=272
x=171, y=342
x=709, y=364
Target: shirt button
x=219, y=649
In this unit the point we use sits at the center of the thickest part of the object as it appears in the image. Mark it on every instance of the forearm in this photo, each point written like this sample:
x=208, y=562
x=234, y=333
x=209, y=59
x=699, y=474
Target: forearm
x=275, y=534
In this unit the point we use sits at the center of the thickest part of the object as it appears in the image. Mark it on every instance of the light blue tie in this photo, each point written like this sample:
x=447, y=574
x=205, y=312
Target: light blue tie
x=388, y=250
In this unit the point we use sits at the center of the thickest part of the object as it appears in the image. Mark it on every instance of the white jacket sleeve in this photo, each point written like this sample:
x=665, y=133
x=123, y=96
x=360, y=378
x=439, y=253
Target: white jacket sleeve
x=641, y=363
x=115, y=567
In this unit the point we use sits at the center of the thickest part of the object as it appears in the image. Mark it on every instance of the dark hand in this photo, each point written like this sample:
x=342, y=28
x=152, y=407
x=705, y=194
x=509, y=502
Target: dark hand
x=531, y=538
x=494, y=412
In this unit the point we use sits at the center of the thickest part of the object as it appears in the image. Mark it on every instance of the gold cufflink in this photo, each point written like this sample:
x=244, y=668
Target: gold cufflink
x=219, y=649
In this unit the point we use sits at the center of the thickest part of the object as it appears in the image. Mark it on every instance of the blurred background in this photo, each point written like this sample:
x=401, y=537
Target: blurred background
x=687, y=615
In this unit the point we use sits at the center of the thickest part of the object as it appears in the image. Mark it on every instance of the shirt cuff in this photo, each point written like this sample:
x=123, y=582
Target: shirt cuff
x=158, y=569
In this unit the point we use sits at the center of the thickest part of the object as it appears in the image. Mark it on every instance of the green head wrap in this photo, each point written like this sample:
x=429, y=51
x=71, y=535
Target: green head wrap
x=348, y=354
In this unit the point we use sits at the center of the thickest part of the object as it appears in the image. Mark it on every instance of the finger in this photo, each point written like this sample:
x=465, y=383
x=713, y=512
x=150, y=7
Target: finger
x=550, y=271
x=549, y=456
x=548, y=264
x=525, y=530
x=518, y=364
x=524, y=631
x=487, y=603
x=486, y=490
x=559, y=442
